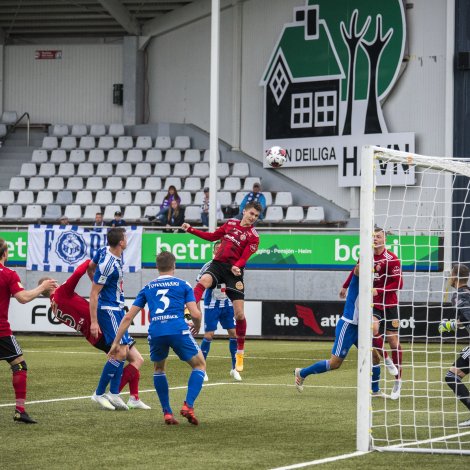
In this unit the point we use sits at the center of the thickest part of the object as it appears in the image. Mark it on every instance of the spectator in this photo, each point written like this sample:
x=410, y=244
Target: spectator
x=253, y=196
x=64, y=220
x=175, y=217
x=205, y=209
x=98, y=222
x=118, y=221
x=165, y=205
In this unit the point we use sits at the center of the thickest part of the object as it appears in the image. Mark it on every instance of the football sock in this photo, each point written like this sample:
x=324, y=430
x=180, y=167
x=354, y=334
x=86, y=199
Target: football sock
x=19, y=379
x=109, y=371
x=205, y=347
x=397, y=356
x=116, y=380
x=161, y=386
x=194, y=386
x=460, y=390
x=198, y=291
x=318, y=368
x=130, y=375
x=232, y=345
x=375, y=378
x=240, y=329
x=378, y=344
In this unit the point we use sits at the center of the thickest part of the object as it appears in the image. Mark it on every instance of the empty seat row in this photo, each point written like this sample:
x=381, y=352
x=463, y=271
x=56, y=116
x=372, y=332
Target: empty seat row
x=80, y=130
x=294, y=214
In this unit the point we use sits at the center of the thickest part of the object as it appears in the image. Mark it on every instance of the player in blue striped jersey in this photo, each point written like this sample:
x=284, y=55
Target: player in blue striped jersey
x=166, y=297
x=346, y=335
x=106, y=313
x=218, y=308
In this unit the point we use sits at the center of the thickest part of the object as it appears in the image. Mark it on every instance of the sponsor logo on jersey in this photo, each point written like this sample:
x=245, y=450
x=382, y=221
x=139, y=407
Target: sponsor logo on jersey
x=71, y=247
x=239, y=285
x=395, y=323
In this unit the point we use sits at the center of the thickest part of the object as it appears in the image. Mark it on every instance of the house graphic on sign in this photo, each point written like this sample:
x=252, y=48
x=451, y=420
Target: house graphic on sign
x=303, y=80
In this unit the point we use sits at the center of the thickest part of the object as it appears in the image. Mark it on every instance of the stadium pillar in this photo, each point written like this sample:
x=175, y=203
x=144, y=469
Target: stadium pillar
x=133, y=81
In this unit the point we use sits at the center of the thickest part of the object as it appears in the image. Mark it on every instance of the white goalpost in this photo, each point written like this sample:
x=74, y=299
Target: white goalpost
x=420, y=202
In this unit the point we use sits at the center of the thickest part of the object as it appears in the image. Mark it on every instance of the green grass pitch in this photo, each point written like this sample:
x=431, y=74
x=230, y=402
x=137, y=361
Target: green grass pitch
x=260, y=423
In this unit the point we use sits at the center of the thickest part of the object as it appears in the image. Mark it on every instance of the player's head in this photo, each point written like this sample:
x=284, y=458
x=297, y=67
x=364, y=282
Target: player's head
x=216, y=246
x=166, y=262
x=48, y=292
x=459, y=275
x=379, y=238
x=3, y=250
x=117, y=237
x=251, y=213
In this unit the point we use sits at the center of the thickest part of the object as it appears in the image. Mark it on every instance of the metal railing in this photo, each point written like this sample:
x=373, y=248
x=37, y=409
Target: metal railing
x=12, y=127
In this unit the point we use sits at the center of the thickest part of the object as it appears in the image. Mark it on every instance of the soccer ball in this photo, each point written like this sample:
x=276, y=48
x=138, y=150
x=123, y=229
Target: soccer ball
x=276, y=156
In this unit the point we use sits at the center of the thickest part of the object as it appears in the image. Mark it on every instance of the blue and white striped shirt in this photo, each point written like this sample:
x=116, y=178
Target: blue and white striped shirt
x=109, y=274
x=351, y=307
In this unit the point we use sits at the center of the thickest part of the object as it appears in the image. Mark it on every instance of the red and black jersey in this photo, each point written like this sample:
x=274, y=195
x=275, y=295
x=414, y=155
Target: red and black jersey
x=74, y=310
x=10, y=284
x=237, y=243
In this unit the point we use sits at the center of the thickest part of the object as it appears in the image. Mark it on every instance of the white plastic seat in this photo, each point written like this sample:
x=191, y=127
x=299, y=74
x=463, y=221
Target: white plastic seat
x=60, y=130
x=68, y=142
x=29, y=169
x=103, y=198
x=52, y=213
x=17, y=183
x=206, y=157
x=162, y=142
x=125, y=142
x=159, y=195
x=181, y=169
x=269, y=198
x=192, y=184
x=104, y=169
x=294, y=214
x=225, y=198
x=162, y=170
x=123, y=169
x=7, y=197
x=143, y=198
x=185, y=198
x=79, y=130
x=50, y=142
x=283, y=198
x=249, y=182
x=143, y=169
x=134, y=156
x=223, y=170
x=153, y=156
x=153, y=183
x=116, y=130
x=114, y=183
x=14, y=212
x=96, y=156
x=66, y=169
x=173, y=156
x=87, y=142
x=115, y=156
x=182, y=142
x=58, y=156
x=94, y=183
x=151, y=211
x=198, y=198
x=201, y=170
x=25, y=197
x=90, y=212
x=109, y=211
x=218, y=184
x=315, y=214
x=36, y=183
x=64, y=197
x=3, y=130
x=97, y=130
x=47, y=169
x=85, y=169
x=75, y=183
x=192, y=156
x=132, y=213
x=77, y=156
x=172, y=181
x=106, y=142
x=274, y=214
x=232, y=183
x=84, y=198
x=39, y=156
x=239, y=197
x=33, y=213
x=123, y=198
x=133, y=183
x=9, y=117
x=73, y=212
x=240, y=169
x=44, y=198
x=55, y=183
x=192, y=214
x=143, y=142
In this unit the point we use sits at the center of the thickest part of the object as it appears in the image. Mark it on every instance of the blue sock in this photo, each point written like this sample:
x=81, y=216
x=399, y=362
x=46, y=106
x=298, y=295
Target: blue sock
x=194, y=386
x=109, y=371
x=116, y=380
x=163, y=391
x=375, y=378
x=232, y=345
x=205, y=347
x=317, y=368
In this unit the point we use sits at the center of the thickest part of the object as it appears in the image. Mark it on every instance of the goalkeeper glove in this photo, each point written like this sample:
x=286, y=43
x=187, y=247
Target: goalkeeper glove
x=446, y=326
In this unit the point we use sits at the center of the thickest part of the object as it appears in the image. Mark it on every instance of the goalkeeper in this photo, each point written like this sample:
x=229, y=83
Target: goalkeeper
x=461, y=301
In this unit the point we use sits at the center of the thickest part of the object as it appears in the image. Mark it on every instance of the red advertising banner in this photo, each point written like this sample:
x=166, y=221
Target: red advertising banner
x=48, y=55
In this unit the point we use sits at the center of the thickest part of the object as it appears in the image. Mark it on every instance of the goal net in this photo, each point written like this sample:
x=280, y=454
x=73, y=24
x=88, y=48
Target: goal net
x=421, y=204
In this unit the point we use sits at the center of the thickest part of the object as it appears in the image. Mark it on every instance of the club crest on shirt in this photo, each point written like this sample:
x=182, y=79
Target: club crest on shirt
x=239, y=285
x=242, y=237
x=71, y=247
x=395, y=323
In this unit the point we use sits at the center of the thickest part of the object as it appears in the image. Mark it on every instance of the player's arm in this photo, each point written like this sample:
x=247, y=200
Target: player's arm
x=126, y=322
x=94, y=327
x=25, y=296
x=195, y=316
x=71, y=283
x=91, y=269
x=209, y=236
x=249, y=250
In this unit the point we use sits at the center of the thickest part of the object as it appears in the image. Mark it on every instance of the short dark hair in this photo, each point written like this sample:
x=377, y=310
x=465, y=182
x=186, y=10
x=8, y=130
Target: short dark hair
x=115, y=235
x=254, y=205
x=460, y=271
x=46, y=293
x=165, y=261
x=3, y=247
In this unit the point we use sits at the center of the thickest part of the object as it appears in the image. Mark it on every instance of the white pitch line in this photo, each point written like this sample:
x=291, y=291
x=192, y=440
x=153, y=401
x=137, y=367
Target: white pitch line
x=321, y=461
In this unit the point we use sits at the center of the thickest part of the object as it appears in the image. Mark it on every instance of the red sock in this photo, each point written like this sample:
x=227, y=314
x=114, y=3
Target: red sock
x=240, y=329
x=19, y=384
x=198, y=291
x=130, y=375
x=378, y=344
x=397, y=356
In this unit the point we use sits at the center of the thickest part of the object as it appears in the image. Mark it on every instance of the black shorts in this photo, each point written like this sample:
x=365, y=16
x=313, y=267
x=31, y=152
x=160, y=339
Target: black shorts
x=9, y=348
x=388, y=318
x=102, y=346
x=463, y=361
x=222, y=274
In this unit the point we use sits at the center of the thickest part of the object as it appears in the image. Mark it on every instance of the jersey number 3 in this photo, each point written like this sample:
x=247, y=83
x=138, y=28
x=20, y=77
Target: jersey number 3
x=164, y=299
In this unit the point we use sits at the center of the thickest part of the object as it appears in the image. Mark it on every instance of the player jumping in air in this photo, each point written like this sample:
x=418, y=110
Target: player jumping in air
x=74, y=311
x=166, y=297
x=461, y=367
x=239, y=240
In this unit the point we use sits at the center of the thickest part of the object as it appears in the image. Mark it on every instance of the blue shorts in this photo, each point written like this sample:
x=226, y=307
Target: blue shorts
x=109, y=321
x=346, y=335
x=184, y=345
x=224, y=315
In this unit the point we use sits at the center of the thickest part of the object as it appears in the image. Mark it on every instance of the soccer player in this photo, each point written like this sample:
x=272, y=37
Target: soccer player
x=218, y=308
x=461, y=367
x=74, y=311
x=239, y=240
x=166, y=297
x=106, y=313
x=346, y=334
x=10, y=351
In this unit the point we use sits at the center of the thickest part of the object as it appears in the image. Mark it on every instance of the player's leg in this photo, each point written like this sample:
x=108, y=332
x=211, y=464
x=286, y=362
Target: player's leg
x=227, y=321
x=131, y=376
x=392, y=325
x=454, y=377
x=375, y=386
x=240, y=329
x=207, y=340
x=204, y=283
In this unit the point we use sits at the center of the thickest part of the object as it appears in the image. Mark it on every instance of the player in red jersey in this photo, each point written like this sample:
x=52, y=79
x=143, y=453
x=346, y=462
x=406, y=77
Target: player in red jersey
x=239, y=240
x=10, y=351
x=74, y=311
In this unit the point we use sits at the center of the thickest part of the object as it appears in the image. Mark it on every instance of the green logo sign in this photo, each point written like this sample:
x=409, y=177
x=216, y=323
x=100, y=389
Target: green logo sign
x=17, y=247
